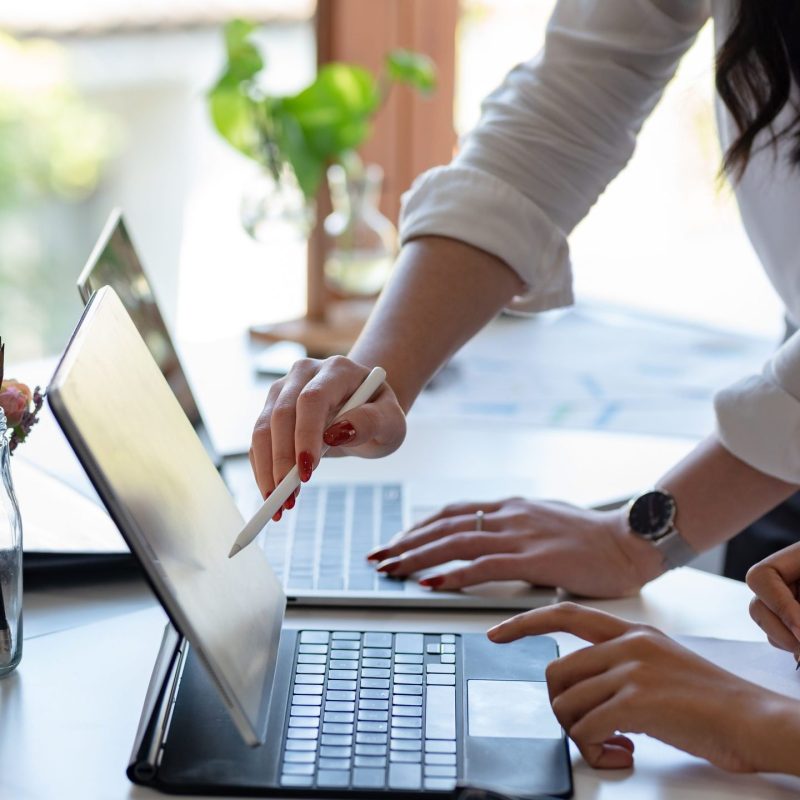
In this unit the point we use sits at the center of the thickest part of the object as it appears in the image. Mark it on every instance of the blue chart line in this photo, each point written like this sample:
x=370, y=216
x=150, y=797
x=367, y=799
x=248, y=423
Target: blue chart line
x=605, y=416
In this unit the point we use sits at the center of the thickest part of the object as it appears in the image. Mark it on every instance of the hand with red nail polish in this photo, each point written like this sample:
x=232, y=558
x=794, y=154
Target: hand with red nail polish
x=296, y=422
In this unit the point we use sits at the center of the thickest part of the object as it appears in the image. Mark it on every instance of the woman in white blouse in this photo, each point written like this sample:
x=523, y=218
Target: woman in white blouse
x=492, y=227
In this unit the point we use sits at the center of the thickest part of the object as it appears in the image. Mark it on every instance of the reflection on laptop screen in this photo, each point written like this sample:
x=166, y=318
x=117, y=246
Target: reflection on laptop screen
x=115, y=263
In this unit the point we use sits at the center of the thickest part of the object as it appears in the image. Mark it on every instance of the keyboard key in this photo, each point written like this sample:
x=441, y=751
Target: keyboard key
x=344, y=663
x=330, y=582
x=305, y=711
x=334, y=763
x=306, y=700
x=406, y=744
x=373, y=715
x=440, y=784
x=343, y=674
x=311, y=669
x=299, y=757
x=334, y=778
x=303, y=722
x=433, y=649
x=375, y=705
x=296, y=780
x=337, y=727
x=406, y=756
x=406, y=700
x=371, y=749
x=440, y=680
x=447, y=638
x=448, y=658
x=366, y=777
x=408, y=658
x=406, y=722
x=440, y=758
x=408, y=669
x=406, y=733
x=298, y=769
x=376, y=652
x=318, y=679
x=326, y=751
x=320, y=649
x=340, y=695
x=444, y=669
x=361, y=583
x=440, y=772
x=339, y=705
x=339, y=716
x=380, y=663
x=338, y=684
x=433, y=746
x=337, y=739
x=300, y=744
x=314, y=637
x=309, y=658
x=346, y=645
x=407, y=711
x=374, y=639
x=448, y=648
x=353, y=635
x=369, y=761
x=408, y=643
x=370, y=726
x=304, y=689
x=411, y=679
x=377, y=673
x=374, y=694
x=412, y=690
x=377, y=683
x=405, y=776
x=370, y=738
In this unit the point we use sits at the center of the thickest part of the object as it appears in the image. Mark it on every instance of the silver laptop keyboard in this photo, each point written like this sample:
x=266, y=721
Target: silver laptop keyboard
x=323, y=542
x=373, y=710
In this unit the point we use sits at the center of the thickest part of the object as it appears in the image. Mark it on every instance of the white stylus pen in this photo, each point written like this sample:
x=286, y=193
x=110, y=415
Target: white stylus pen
x=282, y=491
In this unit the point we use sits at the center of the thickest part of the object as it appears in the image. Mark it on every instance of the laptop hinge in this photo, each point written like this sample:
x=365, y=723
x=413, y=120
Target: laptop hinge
x=155, y=716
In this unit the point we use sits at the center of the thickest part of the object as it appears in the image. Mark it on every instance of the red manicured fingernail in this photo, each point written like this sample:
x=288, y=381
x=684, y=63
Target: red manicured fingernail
x=277, y=516
x=339, y=433
x=377, y=555
x=434, y=582
x=305, y=463
x=389, y=566
x=289, y=504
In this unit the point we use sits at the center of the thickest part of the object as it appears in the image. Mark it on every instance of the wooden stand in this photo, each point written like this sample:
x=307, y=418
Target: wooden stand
x=411, y=134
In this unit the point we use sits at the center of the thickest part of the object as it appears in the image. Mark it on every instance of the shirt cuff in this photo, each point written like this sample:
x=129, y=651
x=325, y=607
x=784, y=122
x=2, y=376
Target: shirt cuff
x=759, y=422
x=479, y=209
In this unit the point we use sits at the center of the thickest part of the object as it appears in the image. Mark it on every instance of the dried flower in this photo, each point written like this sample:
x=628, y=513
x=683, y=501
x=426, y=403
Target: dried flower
x=20, y=404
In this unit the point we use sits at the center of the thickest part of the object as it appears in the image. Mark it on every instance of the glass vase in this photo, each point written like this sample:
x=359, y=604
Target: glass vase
x=361, y=242
x=10, y=561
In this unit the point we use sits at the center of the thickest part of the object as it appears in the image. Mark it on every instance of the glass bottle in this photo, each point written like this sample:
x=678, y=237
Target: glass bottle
x=10, y=561
x=361, y=242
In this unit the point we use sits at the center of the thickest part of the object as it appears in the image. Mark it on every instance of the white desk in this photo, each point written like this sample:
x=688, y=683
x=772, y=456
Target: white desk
x=67, y=718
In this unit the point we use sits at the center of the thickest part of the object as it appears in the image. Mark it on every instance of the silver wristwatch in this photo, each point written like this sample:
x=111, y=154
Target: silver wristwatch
x=651, y=516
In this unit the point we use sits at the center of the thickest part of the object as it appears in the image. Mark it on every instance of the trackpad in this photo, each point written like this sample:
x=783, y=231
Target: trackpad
x=511, y=710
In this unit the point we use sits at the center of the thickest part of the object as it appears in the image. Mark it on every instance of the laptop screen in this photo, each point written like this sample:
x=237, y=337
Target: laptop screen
x=115, y=263
x=171, y=505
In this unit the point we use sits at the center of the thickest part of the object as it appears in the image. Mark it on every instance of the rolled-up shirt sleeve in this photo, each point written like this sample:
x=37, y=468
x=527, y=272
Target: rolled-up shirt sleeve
x=553, y=136
x=758, y=418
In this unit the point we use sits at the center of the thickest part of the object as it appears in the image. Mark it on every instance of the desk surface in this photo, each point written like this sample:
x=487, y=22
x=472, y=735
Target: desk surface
x=69, y=714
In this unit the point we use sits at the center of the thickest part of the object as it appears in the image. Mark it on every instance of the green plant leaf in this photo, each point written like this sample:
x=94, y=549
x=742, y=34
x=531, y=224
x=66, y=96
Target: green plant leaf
x=413, y=69
x=233, y=116
x=244, y=60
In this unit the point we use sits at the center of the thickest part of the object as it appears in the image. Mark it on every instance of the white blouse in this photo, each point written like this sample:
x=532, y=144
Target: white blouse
x=554, y=135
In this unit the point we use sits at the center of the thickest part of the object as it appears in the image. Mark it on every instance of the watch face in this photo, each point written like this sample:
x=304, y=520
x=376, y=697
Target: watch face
x=652, y=514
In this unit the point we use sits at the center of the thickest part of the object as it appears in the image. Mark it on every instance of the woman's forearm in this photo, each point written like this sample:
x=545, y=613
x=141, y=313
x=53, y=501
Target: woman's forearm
x=441, y=293
x=718, y=494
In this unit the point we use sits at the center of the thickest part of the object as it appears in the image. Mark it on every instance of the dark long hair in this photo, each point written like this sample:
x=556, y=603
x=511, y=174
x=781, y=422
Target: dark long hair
x=755, y=66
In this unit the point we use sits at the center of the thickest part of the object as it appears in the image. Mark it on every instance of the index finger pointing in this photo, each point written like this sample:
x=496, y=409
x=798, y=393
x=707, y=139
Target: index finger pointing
x=586, y=623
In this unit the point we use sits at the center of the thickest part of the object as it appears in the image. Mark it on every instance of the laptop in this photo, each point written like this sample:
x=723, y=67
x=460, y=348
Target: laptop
x=240, y=704
x=318, y=550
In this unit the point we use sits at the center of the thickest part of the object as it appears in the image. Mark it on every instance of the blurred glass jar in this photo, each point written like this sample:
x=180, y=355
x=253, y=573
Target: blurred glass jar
x=275, y=209
x=10, y=561
x=361, y=242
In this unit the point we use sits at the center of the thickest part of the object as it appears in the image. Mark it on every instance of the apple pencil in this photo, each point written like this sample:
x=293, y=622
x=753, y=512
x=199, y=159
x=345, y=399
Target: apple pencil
x=292, y=480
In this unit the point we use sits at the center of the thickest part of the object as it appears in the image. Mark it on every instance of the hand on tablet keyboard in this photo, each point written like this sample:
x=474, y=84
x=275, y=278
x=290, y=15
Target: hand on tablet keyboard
x=297, y=415
x=586, y=552
x=634, y=679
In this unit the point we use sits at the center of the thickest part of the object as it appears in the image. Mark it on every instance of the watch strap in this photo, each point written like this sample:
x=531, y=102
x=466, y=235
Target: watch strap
x=674, y=549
